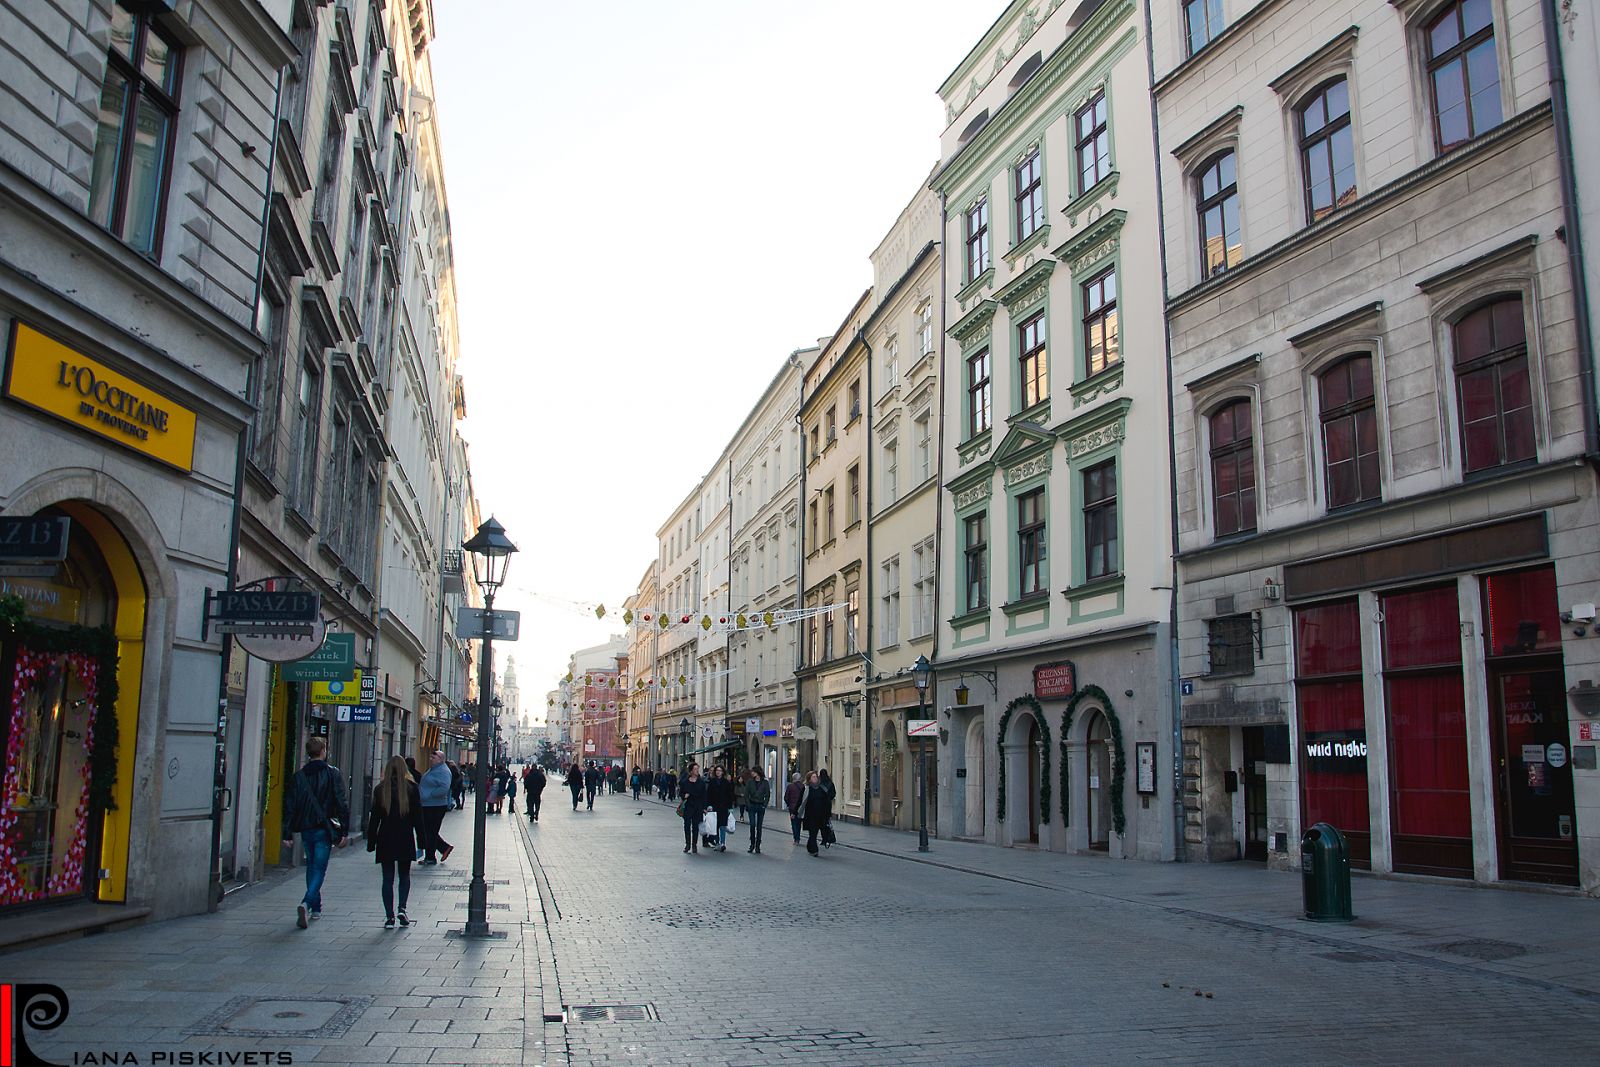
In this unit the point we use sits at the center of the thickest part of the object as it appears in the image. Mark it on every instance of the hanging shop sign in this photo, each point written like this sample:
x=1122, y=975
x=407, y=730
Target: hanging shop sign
x=1055, y=681
x=331, y=661
x=283, y=647
x=786, y=726
x=50, y=377
x=340, y=691
x=261, y=610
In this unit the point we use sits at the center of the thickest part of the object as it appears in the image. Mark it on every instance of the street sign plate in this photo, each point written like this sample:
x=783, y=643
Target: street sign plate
x=922, y=727
x=29, y=570
x=33, y=538
x=364, y=713
x=331, y=661
x=264, y=606
x=505, y=624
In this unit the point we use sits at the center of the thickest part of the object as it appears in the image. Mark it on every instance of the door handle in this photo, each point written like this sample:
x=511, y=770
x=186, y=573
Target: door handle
x=227, y=799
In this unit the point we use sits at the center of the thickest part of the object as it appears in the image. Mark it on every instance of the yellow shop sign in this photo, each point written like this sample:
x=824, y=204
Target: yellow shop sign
x=46, y=375
x=344, y=692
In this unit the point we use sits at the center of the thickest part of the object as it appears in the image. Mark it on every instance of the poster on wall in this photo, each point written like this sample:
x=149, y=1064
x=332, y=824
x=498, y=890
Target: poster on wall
x=1146, y=767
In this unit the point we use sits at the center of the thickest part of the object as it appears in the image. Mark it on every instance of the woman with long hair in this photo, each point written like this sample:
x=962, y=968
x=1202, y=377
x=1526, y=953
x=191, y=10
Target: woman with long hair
x=394, y=831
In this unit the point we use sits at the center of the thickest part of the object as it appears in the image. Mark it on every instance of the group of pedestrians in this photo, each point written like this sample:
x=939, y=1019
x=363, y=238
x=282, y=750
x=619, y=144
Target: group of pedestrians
x=809, y=803
x=584, y=782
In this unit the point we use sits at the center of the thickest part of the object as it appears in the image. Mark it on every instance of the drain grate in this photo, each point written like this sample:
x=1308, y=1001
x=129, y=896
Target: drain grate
x=612, y=1013
x=1482, y=948
x=313, y=1018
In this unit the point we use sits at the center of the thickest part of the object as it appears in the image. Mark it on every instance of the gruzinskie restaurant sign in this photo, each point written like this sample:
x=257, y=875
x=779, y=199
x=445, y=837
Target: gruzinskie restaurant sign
x=46, y=375
x=1055, y=681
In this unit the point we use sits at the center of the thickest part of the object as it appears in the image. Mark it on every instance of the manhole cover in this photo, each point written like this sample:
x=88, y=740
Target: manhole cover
x=282, y=1017
x=1482, y=948
x=612, y=1013
x=1349, y=956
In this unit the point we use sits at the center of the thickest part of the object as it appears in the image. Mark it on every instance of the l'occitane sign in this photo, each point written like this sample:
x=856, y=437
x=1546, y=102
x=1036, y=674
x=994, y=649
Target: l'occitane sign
x=47, y=375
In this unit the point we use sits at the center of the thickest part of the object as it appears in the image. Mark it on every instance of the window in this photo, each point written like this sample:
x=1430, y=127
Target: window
x=979, y=400
x=1327, y=150
x=891, y=364
x=1029, y=184
x=1233, y=469
x=889, y=621
x=308, y=411
x=1231, y=640
x=925, y=328
x=1218, y=206
x=977, y=238
x=1033, y=573
x=813, y=652
x=1492, y=386
x=922, y=590
x=924, y=436
x=852, y=619
x=1100, y=554
x=827, y=507
x=831, y=421
x=855, y=401
x=1202, y=20
x=1463, y=73
x=1101, y=343
x=1093, y=143
x=334, y=502
x=816, y=449
x=891, y=472
x=1034, y=371
x=976, y=534
x=1328, y=691
x=815, y=543
x=267, y=379
x=853, y=504
x=133, y=138
x=1349, y=432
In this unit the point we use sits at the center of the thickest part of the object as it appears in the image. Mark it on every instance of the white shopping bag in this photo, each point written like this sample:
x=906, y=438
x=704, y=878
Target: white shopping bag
x=708, y=823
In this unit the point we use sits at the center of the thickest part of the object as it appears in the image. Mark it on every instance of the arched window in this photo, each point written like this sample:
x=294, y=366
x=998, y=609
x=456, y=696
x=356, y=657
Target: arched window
x=1493, y=394
x=1327, y=149
x=1349, y=432
x=1463, y=72
x=1217, y=204
x=1233, y=469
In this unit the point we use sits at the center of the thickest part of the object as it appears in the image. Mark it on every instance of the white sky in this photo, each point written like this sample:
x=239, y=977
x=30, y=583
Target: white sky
x=653, y=203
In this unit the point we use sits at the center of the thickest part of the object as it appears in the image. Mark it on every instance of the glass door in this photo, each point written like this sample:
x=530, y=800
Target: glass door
x=1255, y=794
x=1536, y=821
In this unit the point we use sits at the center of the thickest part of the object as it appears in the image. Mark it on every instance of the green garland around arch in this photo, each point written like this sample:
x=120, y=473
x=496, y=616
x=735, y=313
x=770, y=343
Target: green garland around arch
x=96, y=641
x=1119, y=761
x=1029, y=701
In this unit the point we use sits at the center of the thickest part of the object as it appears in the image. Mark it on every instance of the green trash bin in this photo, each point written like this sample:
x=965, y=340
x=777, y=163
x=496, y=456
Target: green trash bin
x=1325, y=874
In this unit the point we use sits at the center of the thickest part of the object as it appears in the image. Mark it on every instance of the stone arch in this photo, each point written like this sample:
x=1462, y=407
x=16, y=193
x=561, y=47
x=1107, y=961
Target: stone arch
x=1119, y=759
x=1032, y=709
x=976, y=813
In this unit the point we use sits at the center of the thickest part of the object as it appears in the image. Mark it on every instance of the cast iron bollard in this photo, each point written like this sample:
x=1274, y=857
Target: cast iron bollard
x=1325, y=874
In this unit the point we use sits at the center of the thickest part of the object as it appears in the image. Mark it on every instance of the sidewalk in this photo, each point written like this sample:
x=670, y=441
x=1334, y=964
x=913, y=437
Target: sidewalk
x=343, y=991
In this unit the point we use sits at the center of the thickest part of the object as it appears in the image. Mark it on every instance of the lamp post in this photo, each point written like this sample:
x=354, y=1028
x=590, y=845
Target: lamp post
x=683, y=744
x=491, y=555
x=499, y=742
x=919, y=674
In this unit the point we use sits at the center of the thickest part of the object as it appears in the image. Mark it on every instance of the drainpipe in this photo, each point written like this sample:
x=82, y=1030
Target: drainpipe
x=866, y=581
x=800, y=561
x=1175, y=695
x=938, y=488
x=1570, y=220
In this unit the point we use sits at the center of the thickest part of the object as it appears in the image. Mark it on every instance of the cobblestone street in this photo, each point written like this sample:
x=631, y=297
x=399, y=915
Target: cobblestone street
x=1014, y=957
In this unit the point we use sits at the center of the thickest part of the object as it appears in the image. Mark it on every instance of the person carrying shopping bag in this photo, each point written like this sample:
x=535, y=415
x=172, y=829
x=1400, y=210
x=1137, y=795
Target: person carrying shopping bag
x=692, y=807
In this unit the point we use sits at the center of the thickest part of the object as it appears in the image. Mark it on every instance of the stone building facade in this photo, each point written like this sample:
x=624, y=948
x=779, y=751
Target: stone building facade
x=1055, y=714
x=1382, y=418
x=135, y=146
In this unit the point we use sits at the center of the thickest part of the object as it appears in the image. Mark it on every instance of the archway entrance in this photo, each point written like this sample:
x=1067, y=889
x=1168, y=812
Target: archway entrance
x=1097, y=776
x=974, y=781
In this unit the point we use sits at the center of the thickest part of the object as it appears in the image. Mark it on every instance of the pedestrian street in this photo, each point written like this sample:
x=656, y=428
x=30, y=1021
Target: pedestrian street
x=620, y=949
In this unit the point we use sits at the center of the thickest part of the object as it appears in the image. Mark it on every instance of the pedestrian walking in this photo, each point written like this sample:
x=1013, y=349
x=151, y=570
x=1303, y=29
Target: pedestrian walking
x=827, y=784
x=592, y=780
x=692, y=807
x=394, y=828
x=817, y=806
x=637, y=782
x=317, y=808
x=575, y=783
x=434, y=789
x=793, y=794
x=458, y=785
x=411, y=769
x=533, y=786
x=720, y=796
x=757, y=792
x=511, y=792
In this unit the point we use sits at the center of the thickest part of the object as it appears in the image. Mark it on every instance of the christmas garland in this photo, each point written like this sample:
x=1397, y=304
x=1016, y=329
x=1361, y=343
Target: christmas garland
x=1029, y=701
x=1119, y=761
x=100, y=645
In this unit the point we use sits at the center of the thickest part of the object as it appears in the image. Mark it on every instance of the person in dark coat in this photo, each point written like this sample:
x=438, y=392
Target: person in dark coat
x=693, y=807
x=592, y=781
x=817, y=806
x=394, y=829
x=720, y=796
x=792, y=795
x=533, y=783
x=575, y=783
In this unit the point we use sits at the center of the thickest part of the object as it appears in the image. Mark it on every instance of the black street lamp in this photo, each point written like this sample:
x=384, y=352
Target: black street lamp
x=919, y=674
x=491, y=550
x=683, y=745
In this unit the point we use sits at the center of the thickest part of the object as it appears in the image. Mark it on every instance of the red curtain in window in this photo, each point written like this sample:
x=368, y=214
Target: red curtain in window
x=1333, y=722
x=1522, y=612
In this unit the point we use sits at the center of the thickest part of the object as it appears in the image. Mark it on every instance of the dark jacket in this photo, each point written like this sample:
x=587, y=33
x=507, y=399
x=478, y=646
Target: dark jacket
x=792, y=795
x=591, y=779
x=394, y=839
x=818, y=807
x=719, y=794
x=510, y=788
x=757, y=792
x=574, y=779
x=534, y=783
x=694, y=798
x=324, y=782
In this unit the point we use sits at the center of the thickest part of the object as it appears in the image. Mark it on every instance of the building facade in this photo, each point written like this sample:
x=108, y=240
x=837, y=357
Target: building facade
x=1055, y=713
x=1382, y=415
x=134, y=175
x=643, y=641
x=677, y=720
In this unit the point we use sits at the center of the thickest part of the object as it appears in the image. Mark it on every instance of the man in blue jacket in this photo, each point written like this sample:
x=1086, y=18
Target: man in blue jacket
x=435, y=791
x=316, y=808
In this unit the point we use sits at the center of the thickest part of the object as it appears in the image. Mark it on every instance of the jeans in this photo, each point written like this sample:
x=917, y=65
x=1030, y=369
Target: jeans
x=590, y=795
x=722, y=829
x=432, y=819
x=318, y=846
x=388, y=884
x=794, y=824
x=758, y=816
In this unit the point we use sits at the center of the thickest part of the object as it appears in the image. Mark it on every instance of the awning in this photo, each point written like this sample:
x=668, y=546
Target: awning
x=733, y=742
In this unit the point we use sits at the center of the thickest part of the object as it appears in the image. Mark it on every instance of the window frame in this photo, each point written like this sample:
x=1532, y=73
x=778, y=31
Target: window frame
x=975, y=554
x=1208, y=7
x=977, y=387
x=1101, y=131
x=1496, y=358
x=138, y=87
x=1205, y=204
x=1027, y=200
x=1032, y=530
x=1097, y=315
x=889, y=602
x=1243, y=621
x=1101, y=515
x=1038, y=356
x=1306, y=142
x=979, y=255
x=1351, y=409
x=1432, y=64
x=1230, y=450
